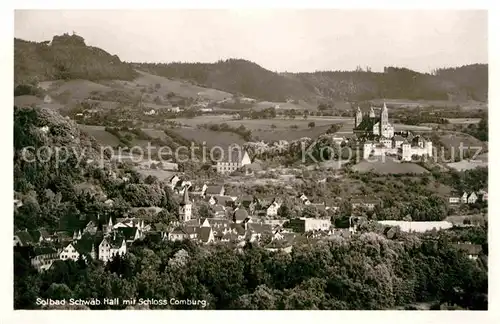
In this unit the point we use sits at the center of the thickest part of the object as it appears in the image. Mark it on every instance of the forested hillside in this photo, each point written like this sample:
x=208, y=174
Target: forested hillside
x=235, y=76
x=364, y=272
x=249, y=79
x=402, y=83
x=65, y=177
x=66, y=57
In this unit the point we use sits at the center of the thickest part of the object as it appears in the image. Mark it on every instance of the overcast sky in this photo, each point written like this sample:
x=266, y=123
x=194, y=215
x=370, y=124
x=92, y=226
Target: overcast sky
x=279, y=40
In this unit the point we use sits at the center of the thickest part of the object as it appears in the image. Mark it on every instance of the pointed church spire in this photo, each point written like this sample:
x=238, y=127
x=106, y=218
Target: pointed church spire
x=185, y=198
x=358, y=117
x=384, y=115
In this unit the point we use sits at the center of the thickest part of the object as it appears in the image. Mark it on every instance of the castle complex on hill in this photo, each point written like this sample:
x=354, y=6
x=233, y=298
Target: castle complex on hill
x=381, y=139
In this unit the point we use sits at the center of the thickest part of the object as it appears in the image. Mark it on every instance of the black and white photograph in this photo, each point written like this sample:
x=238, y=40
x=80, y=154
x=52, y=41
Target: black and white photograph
x=250, y=159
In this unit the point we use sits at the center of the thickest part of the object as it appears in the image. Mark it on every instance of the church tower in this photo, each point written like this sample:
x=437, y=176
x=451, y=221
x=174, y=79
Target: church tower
x=384, y=123
x=358, y=118
x=384, y=116
x=185, y=207
x=372, y=113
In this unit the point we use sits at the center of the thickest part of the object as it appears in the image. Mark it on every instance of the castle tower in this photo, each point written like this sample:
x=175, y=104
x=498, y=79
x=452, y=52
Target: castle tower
x=185, y=207
x=372, y=113
x=367, y=150
x=406, y=151
x=428, y=146
x=386, y=129
x=358, y=118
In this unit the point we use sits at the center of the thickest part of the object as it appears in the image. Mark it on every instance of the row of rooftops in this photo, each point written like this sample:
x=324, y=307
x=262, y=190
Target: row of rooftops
x=126, y=227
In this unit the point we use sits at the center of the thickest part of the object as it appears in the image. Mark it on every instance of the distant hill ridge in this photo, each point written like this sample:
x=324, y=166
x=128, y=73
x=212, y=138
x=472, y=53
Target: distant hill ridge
x=68, y=57
x=250, y=79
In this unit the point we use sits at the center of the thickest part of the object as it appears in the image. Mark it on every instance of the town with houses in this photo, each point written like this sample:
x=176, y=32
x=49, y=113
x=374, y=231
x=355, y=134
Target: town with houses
x=244, y=218
x=230, y=185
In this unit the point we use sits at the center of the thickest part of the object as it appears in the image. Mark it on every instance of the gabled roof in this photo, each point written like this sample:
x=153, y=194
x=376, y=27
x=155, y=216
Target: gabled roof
x=223, y=200
x=178, y=230
x=367, y=123
x=204, y=233
x=260, y=228
x=128, y=232
x=214, y=189
x=44, y=250
x=233, y=156
x=24, y=237
x=84, y=245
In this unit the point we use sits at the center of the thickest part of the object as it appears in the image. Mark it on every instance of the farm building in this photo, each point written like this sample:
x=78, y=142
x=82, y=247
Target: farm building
x=233, y=161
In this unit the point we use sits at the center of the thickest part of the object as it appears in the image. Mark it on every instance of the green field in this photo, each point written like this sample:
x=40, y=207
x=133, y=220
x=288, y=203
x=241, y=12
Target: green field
x=78, y=89
x=211, y=138
x=104, y=138
x=405, y=103
x=82, y=89
x=262, y=124
x=302, y=105
x=181, y=88
x=160, y=174
x=454, y=139
x=463, y=120
x=467, y=165
x=289, y=134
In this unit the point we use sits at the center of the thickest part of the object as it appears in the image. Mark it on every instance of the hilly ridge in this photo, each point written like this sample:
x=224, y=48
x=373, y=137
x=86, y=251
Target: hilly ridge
x=249, y=79
x=67, y=57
